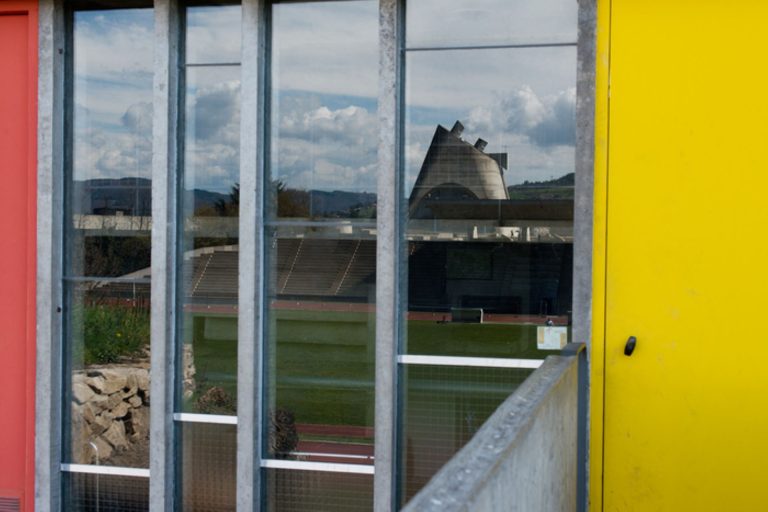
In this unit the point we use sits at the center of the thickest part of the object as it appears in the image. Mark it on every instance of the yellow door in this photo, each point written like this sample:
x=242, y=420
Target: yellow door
x=686, y=415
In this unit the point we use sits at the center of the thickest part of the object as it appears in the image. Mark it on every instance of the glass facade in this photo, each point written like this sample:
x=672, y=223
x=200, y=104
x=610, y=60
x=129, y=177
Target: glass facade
x=486, y=95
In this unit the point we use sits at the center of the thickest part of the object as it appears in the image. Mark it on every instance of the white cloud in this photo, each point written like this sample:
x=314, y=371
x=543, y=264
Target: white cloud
x=318, y=147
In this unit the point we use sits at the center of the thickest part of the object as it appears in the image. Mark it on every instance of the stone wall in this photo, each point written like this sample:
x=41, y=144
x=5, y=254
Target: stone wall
x=110, y=411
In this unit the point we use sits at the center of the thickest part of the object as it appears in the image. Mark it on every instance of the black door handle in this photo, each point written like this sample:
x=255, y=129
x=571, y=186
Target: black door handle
x=630, y=346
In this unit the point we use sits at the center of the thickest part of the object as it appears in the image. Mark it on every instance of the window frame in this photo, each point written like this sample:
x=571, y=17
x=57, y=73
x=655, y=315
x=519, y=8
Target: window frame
x=52, y=140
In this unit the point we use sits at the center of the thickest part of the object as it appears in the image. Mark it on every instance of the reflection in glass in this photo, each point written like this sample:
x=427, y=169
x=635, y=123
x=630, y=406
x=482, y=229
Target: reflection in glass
x=210, y=212
x=444, y=407
x=213, y=34
x=320, y=251
x=108, y=354
x=105, y=493
x=490, y=226
x=314, y=491
x=490, y=22
x=321, y=343
x=489, y=176
x=207, y=466
x=324, y=120
x=107, y=253
x=109, y=188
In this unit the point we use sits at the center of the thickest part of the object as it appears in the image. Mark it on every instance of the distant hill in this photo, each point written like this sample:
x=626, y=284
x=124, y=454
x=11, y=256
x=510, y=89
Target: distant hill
x=558, y=188
x=133, y=196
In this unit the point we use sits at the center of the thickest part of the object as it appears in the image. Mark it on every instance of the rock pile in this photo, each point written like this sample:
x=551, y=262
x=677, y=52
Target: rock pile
x=110, y=411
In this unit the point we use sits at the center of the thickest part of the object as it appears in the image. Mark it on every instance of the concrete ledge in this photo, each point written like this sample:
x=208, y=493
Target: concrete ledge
x=524, y=458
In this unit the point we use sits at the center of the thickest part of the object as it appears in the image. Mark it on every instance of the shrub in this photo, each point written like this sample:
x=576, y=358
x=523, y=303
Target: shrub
x=113, y=332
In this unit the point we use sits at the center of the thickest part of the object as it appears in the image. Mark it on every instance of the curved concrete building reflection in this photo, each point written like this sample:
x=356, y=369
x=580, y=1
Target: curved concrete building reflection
x=454, y=169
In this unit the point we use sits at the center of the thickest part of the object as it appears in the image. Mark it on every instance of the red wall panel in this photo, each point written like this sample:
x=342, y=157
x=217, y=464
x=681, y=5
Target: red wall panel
x=18, y=113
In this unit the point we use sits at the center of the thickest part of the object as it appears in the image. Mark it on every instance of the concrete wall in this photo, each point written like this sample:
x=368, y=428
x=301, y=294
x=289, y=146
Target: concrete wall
x=525, y=456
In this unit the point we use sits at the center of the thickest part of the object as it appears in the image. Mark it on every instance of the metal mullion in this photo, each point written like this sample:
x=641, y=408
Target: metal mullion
x=50, y=194
x=165, y=171
x=583, y=222
x=250, y=348
x=387, y=253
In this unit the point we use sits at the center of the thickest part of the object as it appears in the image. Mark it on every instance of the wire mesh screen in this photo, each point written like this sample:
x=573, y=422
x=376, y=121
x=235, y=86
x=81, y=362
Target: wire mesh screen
x=85, y=492
x=316, y=491
x=443, y=408
x=207, y=463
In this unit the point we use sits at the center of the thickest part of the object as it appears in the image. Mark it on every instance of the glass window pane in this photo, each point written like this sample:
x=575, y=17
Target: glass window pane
x=213, y=34
x=107, y=229
x=323, y=105
x=440, y=23
x=321, y=344
x=109, y=182
x=107, y=352
x=210, y=213
x=105, y=493
x=320, y=250
x=316, y=491
x=489, y=188
x=208, y=466
x=444, y=406
x=489, y=178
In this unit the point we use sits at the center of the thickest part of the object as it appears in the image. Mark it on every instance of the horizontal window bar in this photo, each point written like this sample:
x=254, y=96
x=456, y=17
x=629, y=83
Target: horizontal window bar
x=482, y=362
x=105, y=470
x=328, y=467
x=218, y=419
x=334, y=455
x=211, y=65
x=489, y=47
x=319, y=223
x=126, y=280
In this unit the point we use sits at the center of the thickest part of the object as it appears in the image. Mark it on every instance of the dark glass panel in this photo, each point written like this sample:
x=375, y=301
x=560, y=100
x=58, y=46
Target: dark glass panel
x=315, y=491
x=208, y=466
x=85, y=492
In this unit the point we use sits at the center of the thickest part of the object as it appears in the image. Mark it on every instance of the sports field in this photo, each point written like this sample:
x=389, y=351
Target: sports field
x=321, y=363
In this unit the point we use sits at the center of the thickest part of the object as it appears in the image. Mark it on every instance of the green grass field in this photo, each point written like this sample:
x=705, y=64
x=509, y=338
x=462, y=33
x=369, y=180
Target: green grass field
x=322, y=365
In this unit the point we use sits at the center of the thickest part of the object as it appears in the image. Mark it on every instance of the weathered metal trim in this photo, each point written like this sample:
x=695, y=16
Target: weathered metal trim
x=165, y=173
x=583, y=223
x=477, y=362
x=553, y=44
x=585, y=157
x=50, y=195
x=387, y=254
x=213, y=419
x=327, y=467
x=250, y=335
x=91, y=469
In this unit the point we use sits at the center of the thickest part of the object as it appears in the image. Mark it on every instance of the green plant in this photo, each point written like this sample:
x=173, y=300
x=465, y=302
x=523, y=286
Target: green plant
x=111, y=332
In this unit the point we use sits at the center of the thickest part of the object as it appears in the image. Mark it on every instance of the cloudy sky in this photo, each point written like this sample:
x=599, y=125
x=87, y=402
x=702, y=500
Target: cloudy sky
x=324, y=87
x=113, y=94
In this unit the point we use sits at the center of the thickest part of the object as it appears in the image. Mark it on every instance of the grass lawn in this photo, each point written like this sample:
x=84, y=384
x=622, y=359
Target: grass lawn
x=324, y=361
